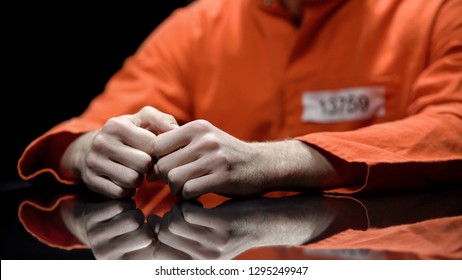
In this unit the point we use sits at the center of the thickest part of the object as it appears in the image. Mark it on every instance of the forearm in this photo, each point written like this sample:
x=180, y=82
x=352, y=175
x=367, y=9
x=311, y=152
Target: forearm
x=295, y=165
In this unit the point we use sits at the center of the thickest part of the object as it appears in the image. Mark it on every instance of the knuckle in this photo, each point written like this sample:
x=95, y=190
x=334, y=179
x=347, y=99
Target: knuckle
x=114, y=125
x=209, y=141
x=201, y=125
x=221, y=159
x=147, y=109
x=99, y=143
x=167, y=117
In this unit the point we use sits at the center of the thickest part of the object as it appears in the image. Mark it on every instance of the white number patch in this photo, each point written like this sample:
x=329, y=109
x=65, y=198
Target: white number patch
x=350, y=104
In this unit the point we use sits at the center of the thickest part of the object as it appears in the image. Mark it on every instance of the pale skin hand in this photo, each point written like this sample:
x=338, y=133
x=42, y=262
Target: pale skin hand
x=199, y=158
x=113, y=160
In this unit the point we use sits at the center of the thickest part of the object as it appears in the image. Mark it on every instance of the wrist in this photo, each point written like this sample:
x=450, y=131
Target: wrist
x=72, y=159
x=283, y=164
x=295, y=165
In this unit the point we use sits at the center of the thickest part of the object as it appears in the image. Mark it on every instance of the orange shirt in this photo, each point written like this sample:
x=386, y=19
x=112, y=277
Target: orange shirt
x=376, y=82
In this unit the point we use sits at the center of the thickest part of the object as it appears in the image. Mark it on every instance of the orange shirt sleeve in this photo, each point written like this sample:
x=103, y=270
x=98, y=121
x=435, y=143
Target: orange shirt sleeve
x=425, y=148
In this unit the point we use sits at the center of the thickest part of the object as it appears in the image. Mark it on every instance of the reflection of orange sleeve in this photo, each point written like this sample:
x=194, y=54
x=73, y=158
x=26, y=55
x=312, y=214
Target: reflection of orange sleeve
x=44, y=221
x=45, y=224
x=431, y=239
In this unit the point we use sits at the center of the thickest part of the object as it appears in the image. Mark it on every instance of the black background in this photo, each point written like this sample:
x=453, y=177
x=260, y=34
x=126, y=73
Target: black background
x=57, y=57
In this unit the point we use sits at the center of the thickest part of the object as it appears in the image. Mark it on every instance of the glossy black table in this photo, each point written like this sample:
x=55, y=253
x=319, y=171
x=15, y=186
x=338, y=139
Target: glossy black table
x=295, y=226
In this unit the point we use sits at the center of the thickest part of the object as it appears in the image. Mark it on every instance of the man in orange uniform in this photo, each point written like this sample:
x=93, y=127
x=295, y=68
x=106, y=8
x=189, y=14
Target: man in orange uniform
x=293, y=95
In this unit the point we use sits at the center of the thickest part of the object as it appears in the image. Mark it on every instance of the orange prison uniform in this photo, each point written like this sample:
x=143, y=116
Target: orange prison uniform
x=374, y=82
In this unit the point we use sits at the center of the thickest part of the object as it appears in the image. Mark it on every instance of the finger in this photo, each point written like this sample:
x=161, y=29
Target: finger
x=135, y=240
x=117, y=247
x=121, y=175
x=121, y=224
x=200, y=216
x=171, y=240
x=134, y=159
x=171, y=141
x=201, y=185
x=126, y=130
x=100, y=212
x=155, y=120
x=177, y=158
x=179, y=176
x=105, y=186
x=190, y=246
x=206, y=236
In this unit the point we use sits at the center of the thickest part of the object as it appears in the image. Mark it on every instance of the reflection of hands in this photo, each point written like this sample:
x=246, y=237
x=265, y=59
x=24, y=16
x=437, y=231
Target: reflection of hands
x=199, y=236
x=190, y=231
x=113, y=160
x=112, y=229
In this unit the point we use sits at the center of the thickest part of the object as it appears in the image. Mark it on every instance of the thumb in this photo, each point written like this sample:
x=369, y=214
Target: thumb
x=154, y=120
